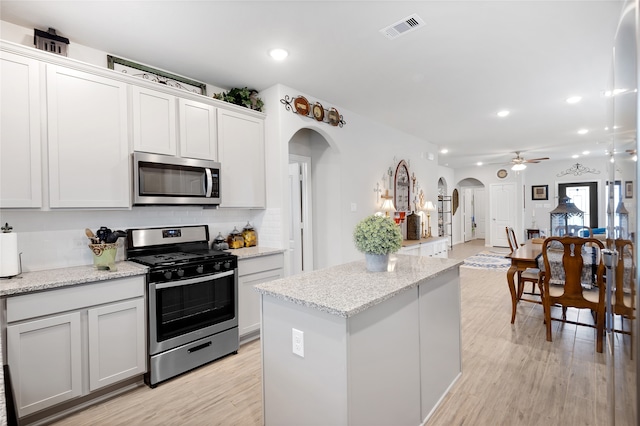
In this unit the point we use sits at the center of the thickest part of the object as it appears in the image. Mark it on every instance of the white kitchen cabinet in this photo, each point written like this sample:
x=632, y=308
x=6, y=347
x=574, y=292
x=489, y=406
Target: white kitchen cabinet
x=241, y=154
x=154, y=118
x=88, y=140
x=69, y=342
x=197, y=129
x=44, y=358
x=116, y=342
x=252, y=271
x=432, y=247
x=20, y=140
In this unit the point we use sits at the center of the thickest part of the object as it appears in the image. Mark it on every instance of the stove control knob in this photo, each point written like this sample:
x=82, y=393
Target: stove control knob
x=227, y=265
x=199, y=269
x=180, y=272
x=167, y=275
x=217, y=266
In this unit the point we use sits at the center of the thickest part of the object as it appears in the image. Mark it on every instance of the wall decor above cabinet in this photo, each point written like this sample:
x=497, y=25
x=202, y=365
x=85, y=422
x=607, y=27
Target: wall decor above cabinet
x=300, y=105
x=147, y=73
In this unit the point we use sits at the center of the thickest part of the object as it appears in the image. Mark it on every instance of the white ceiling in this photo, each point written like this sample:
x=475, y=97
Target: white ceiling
x=443, y=83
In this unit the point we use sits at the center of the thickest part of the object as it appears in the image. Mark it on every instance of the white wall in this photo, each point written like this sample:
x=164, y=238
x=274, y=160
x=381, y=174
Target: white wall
x=359, y=155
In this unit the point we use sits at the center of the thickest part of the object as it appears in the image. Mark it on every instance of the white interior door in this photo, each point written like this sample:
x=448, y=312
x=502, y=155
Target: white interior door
x=300, y=235
x=468, y=213
x=502, y=212
x=480, y=212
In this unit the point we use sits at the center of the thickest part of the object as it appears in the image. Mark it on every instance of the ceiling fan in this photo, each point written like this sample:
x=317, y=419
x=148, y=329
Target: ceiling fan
x=519, y=162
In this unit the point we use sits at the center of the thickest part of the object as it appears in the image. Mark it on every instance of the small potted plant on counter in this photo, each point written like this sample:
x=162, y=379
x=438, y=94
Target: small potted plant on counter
x=377, y=237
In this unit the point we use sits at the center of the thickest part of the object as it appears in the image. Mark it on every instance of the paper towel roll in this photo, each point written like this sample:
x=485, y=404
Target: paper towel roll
x=9, y=258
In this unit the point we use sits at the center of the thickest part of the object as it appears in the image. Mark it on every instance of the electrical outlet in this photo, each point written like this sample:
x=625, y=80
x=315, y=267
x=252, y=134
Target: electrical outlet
x=298, y=342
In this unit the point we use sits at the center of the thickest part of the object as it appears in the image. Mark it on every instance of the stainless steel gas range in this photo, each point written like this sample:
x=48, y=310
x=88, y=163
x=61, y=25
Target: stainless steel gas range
x=192, y=298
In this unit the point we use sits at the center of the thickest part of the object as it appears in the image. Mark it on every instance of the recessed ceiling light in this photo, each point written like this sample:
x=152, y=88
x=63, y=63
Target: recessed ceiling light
x=278, y=54
x=586, y=152
x=574, y=99
x=444, y=151
x=575, y=156
x=583, y=131
x=503, y=113
x=479, y=163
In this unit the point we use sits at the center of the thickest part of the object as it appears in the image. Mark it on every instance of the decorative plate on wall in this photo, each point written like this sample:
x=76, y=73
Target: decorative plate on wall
x=334, y=117
x=302, y=105
x=318, y=111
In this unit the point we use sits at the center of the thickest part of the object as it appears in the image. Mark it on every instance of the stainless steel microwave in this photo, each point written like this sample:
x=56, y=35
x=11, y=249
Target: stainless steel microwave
x=166, y=180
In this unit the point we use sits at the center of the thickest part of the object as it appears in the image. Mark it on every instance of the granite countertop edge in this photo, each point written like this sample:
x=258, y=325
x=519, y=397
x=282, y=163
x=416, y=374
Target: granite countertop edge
x=256, y=251
x=29, y=282
x=431, y=270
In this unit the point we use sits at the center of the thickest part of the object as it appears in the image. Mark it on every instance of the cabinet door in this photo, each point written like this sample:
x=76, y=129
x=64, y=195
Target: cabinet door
x=154, y=121
x=20, y=158
x=198, y=137
x=242, y=160
x=44, y=358
x=116, y=342
x=249, y=299
x=88, y=145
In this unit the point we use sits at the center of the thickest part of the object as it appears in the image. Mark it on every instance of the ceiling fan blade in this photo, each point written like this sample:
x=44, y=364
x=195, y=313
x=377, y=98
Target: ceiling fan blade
x=536, y=160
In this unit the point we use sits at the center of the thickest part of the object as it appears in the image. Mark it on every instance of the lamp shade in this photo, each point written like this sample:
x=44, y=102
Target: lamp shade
x=387, y=206
x=429, y=206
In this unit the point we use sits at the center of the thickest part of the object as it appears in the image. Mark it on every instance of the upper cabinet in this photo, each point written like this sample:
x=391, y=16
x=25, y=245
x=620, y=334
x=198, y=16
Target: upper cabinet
x=242, y=160
x=87, y=137
x=153, y=116
x=20, y=140
x=197, y=130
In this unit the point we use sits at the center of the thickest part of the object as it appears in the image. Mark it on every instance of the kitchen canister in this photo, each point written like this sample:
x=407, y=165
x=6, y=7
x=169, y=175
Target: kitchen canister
x=104, y=256
x=413, y=226
x=9, y=256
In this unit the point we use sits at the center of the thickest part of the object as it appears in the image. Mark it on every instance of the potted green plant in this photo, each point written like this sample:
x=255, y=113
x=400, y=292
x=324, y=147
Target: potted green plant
x=377, y=237
x=245, y=97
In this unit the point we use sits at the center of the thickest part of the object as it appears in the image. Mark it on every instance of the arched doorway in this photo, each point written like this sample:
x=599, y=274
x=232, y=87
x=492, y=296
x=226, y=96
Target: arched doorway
x=314, y=182
x=474, y=210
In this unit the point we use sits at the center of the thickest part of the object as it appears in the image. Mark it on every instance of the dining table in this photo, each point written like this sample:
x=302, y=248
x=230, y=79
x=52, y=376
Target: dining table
x=525, y=256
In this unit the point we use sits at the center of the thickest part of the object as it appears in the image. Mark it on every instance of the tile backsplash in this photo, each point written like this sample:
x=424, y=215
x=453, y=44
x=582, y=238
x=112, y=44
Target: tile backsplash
x=56, y=239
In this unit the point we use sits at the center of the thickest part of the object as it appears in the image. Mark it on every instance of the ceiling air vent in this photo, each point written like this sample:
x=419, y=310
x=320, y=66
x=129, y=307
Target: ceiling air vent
x=403, y=26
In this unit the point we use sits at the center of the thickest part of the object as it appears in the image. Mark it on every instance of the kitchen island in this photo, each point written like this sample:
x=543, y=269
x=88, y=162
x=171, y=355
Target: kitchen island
x=344, y=346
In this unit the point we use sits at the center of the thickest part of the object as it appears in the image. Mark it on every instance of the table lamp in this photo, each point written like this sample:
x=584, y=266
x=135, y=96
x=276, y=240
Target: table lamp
x=428, y=207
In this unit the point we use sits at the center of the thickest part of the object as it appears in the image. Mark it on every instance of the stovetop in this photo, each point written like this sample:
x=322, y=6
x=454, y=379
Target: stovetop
x=177, y=258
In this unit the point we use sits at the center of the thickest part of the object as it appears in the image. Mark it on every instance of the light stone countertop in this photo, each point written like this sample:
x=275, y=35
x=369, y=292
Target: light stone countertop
x=28, y=282
x=348, y=289
x=247, y=252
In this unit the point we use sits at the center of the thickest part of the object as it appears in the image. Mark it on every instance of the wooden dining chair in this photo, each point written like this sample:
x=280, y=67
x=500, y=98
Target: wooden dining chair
x=624, y=293
x=531, y=275
x=565, y=270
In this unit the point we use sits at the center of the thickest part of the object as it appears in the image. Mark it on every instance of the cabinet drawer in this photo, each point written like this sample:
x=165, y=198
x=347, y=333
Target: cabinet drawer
x=260, y=263
x=70, y=298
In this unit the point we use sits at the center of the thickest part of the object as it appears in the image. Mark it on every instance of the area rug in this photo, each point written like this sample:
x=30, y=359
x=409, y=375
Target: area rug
x=487, y=260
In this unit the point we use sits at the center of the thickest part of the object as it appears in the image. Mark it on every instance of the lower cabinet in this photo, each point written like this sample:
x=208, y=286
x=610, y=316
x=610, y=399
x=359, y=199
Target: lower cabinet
x=434, y=248
x=69, y=342
x=252, y=271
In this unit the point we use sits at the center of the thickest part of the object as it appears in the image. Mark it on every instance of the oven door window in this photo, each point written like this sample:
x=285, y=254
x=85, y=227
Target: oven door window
x=171, y=180
x=182, y=309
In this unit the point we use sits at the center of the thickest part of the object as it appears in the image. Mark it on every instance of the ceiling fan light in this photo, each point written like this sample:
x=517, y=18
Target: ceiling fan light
x=518, y=167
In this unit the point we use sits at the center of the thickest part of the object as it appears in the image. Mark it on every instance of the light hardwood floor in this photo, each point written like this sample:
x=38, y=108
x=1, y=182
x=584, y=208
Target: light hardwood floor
x=511, y=374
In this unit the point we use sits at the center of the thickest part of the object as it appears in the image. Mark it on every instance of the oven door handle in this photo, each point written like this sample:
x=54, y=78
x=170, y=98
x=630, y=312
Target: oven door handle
x=194, y=280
